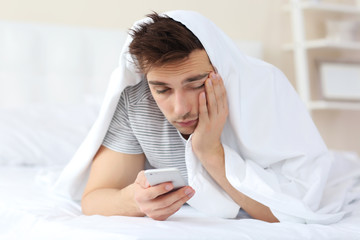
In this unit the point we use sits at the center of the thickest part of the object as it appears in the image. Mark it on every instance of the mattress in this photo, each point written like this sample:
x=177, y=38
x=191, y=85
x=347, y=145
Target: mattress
x=30, y=210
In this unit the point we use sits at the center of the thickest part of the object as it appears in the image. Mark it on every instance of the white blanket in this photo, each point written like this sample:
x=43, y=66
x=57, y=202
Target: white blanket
x=273, y=152
x=29, y=211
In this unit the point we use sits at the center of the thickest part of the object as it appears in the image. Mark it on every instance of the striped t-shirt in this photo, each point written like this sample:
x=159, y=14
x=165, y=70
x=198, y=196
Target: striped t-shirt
x=138, y=126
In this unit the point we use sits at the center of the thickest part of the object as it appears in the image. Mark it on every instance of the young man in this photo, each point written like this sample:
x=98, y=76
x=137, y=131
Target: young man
x=184, y=96
x=181, y=95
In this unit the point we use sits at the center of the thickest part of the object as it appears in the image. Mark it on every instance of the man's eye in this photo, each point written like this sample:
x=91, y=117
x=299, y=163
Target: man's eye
x=201, y=86
x=162, y=91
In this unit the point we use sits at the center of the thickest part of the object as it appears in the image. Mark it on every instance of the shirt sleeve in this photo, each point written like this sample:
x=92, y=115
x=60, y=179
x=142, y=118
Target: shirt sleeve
x=120, y=136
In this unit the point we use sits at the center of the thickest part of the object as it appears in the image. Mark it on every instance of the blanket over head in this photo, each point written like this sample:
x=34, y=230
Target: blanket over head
x=273, y=152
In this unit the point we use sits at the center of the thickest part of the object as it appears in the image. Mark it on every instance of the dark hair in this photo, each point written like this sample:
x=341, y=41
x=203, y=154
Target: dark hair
x=160, y=41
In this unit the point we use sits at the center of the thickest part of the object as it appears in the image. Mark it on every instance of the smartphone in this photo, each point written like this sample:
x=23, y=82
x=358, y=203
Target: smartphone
x=161, y=175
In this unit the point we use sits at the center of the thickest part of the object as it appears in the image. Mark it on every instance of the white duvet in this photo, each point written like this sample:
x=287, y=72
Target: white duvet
x=273, y=152
x=29, y=211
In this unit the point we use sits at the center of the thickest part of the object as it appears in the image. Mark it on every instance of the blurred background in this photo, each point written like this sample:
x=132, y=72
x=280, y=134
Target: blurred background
x=268, y=27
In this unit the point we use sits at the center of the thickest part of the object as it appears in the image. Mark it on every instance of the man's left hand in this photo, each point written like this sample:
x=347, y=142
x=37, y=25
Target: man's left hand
x=213, y=112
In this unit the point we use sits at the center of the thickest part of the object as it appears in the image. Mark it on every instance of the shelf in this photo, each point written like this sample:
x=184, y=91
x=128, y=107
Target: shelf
x=301, y=46
x=320, y=105
x=330, y=7
x=326, y=43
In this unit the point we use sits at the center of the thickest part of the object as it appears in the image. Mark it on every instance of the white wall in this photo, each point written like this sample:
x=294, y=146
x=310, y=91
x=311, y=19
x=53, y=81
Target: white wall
x=245, y=19
x=257, y=20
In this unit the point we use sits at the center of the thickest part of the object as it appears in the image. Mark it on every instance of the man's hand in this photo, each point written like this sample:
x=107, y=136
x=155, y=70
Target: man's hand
x=213, y=111
x=158, y=202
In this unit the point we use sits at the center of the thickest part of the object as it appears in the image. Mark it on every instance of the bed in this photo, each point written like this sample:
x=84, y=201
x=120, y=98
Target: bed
x=29, y=210
x=52, y=81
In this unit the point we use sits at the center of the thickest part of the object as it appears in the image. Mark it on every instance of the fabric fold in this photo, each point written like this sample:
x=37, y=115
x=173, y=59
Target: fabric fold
x=209, y=197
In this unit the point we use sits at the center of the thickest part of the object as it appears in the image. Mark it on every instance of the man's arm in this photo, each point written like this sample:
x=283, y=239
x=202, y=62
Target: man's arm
x=213, y=111
x=117, y=186
x=252, y=207
x=110, y=188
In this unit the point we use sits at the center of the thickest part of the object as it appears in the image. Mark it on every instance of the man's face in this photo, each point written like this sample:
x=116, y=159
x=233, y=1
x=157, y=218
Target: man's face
x=176, y=88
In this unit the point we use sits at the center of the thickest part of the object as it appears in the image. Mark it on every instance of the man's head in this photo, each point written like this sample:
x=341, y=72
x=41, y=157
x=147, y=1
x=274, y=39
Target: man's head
x=160, y=41
x=176, y=66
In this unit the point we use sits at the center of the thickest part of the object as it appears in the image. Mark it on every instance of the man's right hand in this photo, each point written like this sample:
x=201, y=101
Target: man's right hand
x=158, y=202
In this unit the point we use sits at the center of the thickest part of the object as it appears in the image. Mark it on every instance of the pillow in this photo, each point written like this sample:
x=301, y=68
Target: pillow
x=43, y=134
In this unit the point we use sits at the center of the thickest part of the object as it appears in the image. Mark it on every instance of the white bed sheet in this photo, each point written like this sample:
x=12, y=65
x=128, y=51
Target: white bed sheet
x=29, y=211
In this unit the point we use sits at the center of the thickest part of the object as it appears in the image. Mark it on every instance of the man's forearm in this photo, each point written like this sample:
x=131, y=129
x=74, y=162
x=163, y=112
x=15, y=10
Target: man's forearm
x=109, y=202
x=217, y=171
x=252, y=207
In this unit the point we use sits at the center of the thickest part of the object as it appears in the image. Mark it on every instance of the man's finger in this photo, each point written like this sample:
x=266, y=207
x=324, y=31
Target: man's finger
x=203, y=111
x=220, y=93
x=141, y=180
x=170, y=198
x=210, y=96
x=172, y=204
x=158, y=190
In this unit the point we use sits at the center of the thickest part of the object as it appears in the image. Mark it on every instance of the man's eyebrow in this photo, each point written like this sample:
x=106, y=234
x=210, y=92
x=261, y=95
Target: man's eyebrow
x=195, y=78
x=158, y=83
x=187, y=80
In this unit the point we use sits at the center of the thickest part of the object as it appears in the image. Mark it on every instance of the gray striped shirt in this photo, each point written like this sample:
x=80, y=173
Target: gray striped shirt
x=138, y=126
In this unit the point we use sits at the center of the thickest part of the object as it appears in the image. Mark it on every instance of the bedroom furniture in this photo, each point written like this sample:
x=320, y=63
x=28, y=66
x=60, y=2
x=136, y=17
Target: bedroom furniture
x=301, y=45
x=55, y=63
x=62, y=64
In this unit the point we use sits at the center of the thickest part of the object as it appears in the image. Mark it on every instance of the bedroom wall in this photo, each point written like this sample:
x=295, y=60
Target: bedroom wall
x=255, y=20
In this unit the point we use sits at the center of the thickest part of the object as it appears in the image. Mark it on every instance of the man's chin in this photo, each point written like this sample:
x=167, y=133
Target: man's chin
x=185, y=131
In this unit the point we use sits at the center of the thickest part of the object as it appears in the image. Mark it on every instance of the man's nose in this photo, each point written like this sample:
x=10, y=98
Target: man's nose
x=182, y=104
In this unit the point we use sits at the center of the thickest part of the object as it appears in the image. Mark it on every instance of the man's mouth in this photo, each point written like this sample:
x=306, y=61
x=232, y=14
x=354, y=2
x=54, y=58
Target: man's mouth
x=187, y=123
